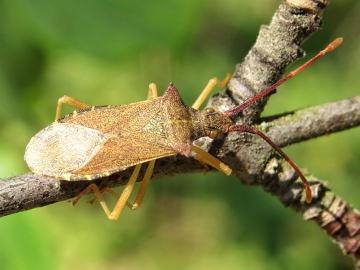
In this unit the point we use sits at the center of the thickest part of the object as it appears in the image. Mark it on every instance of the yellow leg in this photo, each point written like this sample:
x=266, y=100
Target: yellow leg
x=202, y=162
x=111, y=192
x=115, y=213
x=143, y=187
x=201, y=155
x=205, y=157
x=141, y=193
x=152, y=91
x=205, y=93
x=69, y=101
x=122, y=199
x=125, y=194
x=145, y=181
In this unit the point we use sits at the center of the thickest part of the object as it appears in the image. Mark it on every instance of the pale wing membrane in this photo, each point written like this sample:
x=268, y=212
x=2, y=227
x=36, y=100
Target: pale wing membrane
x=56, y=149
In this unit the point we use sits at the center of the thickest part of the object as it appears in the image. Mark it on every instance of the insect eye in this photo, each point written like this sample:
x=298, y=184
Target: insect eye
x=225, y=129
x=213, y=134
x=209, y=110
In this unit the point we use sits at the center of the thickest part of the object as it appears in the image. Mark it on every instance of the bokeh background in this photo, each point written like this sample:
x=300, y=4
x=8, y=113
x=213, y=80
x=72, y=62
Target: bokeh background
x=107, y=52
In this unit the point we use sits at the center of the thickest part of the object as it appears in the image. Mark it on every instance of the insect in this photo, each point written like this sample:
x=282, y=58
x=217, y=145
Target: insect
x=94, y=142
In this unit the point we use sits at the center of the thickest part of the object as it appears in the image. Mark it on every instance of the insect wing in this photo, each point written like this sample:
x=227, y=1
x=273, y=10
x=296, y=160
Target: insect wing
x=99, y=141
x=135, y=135
x=61, y=148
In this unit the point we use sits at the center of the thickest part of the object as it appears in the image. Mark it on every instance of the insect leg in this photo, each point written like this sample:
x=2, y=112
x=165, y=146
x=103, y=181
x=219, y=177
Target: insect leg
x=125, y=194
x=145, y=181
x=202, y=162
x=141, y=193
x=97, y=192
x=144, y=184
x=201, y=155
x=205, y=157
x=69, y=101
x=122, y=201
x=111, y=192
x=210, y=85
x=152, y=91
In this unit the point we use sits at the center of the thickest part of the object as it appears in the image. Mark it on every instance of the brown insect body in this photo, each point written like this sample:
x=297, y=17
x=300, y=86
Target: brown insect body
x=81, y=146
x=93, y=142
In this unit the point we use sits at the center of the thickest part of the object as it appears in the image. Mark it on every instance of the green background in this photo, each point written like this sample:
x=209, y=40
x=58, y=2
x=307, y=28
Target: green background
x=107, y=52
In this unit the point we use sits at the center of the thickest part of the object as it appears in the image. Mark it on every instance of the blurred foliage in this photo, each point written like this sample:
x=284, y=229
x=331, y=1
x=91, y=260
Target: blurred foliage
x=107, y=52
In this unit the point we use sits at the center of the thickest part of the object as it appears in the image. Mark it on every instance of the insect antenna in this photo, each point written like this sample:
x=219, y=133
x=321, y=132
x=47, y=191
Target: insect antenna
x=254, y=130
x=265, y=92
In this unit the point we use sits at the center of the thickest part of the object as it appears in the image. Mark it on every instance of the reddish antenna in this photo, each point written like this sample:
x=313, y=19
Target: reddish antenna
x=254, y=130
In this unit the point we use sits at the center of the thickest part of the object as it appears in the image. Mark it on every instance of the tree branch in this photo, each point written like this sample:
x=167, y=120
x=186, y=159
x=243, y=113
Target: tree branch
x=253, y=161
x=313, y=122
x=27, y=191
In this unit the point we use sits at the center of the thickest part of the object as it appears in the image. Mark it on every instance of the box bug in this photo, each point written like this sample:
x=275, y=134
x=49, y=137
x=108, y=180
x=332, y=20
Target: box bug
x=94, y=142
